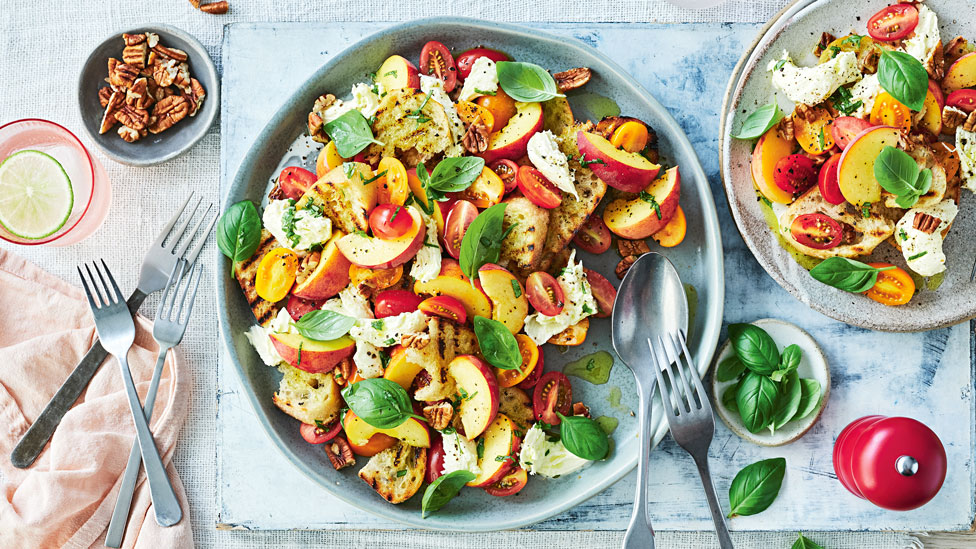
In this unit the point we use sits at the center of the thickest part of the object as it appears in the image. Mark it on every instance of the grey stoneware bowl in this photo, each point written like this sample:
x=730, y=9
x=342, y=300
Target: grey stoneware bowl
x=698, y=260
x=167, y=145
x=952, y=302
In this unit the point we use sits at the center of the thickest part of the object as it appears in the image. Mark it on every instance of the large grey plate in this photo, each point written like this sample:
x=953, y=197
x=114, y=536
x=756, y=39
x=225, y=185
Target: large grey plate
x=955, y=300
x=698, y=259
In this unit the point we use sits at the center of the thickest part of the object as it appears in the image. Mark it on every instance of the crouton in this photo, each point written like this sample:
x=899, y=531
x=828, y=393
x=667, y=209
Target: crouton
x=516, y=404
x=522, y=248
x=344, y=196
x=247, y=272
x=308, y=397
x=413, y=128
x=384, y=473
x=446, y=341
x=557, y=115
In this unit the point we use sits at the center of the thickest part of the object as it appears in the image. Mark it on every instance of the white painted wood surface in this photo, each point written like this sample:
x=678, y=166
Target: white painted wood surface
x=927, y=376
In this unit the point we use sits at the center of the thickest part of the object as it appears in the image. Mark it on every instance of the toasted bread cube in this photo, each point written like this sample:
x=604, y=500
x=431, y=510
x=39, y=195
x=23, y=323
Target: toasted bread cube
x=345, y=196
x=413, y=128
x=382, y=472
x=522, y=248
x=308, y=397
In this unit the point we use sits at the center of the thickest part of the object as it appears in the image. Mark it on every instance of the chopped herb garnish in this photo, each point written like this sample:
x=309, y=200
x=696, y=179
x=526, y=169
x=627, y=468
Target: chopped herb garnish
x=418, y=114
x=388, y=342
x=300, y=345
x=854, y=39
x=842, y=101
x=377, y=324
x=779, y=64
x=649, y=198
x=396, y=212
x=918, y=255
x=349, y=169
x=401, y=473
x=584, y=162
x=866, y=209
x=587, y=309
x=902, y=234
x=834, y=50
x=516, y=288
x=391, y=73
x=485, y=92
x=374, y=178
x=384, y=358
x=481, y=448
x=822, y=139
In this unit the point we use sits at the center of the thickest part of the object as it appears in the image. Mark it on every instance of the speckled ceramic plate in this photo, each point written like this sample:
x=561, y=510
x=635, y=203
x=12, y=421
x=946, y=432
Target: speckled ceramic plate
x=955, y=299
x=698, y=260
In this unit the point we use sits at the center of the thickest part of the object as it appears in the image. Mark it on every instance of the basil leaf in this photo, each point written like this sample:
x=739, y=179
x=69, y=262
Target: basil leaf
x=498, y=345
x=583, y=437
x=455, y=174
x=803, y=542
x=755, y=400
x=351, y=133
x=324, y=325
x=443, y=489
x=898, y=173
x=760, y=121
x=728, y=398
x=846, y=274
x=379, y=402
x=756, y=486
x=526, y=82
x=239, y=232
x=789, y=360
x=482, y=242
x=810, y=396
x=729, y=369
x=754, y=348
x=904, y=77
x=787, y=403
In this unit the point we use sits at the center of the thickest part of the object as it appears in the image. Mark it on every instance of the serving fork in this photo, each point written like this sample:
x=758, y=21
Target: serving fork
x=689, y=414
x=117, y=332
x=160, y=259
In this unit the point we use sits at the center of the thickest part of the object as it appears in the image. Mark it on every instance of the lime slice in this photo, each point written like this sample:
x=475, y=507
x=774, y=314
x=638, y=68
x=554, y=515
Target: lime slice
x=35, y=195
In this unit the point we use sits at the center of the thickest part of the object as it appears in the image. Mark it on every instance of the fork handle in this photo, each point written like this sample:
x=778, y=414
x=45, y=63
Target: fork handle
x=640, y=533
x=35, y=439
x=718, y=517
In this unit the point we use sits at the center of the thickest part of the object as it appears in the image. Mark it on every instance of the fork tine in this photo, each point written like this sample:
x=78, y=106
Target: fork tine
x=104, y=286
x=198, y=269
x=193, y=234
x=88, y=293
x=161, y=312
x=98, y=291
x=660, y=373
x=179, y=233
x=181, y=300
x=678, y=365
x=192, y=256
x=119, y=297
x=696, y=379
x=169, y=226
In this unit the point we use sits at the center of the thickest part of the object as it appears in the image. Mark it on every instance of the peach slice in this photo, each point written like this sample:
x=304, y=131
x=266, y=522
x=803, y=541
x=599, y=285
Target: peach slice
x=508, y=299
x=376, y=253
x=650, y=212
x=769, y=150
x=452, y=282
x=397, y=73
x=316, y=357
x=442, y=207
x=855, y=173
x=330, y=275
x=400, y=370
x=501, y=447
x=961, y=74
x=931, y=116
x=478, y=390
x=412, y=431
x=511, y=141
x=627, y=171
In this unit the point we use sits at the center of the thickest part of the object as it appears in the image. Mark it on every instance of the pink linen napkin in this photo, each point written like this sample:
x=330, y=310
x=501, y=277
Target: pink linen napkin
x=66, y=498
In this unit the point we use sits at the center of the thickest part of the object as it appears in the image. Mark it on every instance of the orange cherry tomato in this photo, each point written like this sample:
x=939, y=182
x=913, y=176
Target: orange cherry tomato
x=394, y=187
x=486, y=191
x=276, y=274
x=630, y=136
x=510, y=484
x=894, y=286
x=530, y=360
x=594, y=236
x=376, y=444
x=332, y=160
x=887, y=111
x=815, y=136
x=294, y=181
x=501, y=107
x=377, y=279
x=461, y=214
x=507, y=171
x=603, y=291
x=544, y=293
x=389, y=221
x=470, y=113
x=573, y=335
x=674, y=232
x=444, y=306
x=538, y=189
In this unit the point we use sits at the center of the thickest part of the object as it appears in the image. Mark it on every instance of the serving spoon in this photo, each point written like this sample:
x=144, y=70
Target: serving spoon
x=651, y=302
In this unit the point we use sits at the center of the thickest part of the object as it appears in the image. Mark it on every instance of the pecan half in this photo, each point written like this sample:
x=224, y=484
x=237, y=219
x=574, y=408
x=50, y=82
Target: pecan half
x=123, y=74
x=103, y=95
x=339, y=452
x=316, y=129
x=130, y=135
x=169, y=111
x=953, y=117
x=580, y=409
x=131, y=117
x=867, y=60
x=170, y=53
x=956, y=48
x=806, y=112
x=632, y=247
x=439, y=415
x=182, y=79
x=825, y=40
x=215, y=8
x=152, y=39
x=935, y=64
x=784, y=129
x=135, y=55
x=162, y=92
x=115, y=101
x=343, y=372
x=573, y=78
x=415, y=341
x=133, y=39
x=199, y=94
x=138, y=95
x=164, y=71
x=926, y=223
x=624, y=266
x=475, y=140
x=421, y=380
x=970, y=124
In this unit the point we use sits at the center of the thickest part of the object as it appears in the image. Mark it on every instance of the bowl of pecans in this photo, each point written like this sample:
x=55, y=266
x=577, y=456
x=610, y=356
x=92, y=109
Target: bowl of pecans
x=147, y=95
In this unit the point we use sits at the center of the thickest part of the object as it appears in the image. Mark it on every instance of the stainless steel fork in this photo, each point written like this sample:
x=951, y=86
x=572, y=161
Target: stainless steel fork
x=161, y=258
x=689, y=415
x=168, y=330
x=117, y=331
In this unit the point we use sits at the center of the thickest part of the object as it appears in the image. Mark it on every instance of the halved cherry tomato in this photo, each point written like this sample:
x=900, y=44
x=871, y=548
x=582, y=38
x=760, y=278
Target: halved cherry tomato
x=530, y=361
x=964, y=100
x=389, y=221
x=674, y=232
x=573, y=335
x=444, y=306
x=537, y=188
x=435, y=457
x=436, y=60
x=544, y=293
x=376, y=444
x=552, y=394
x=630, y=136
x=470, y=113
x=501, y=106
x=510, y=484
x=594, y=236
x=297, y=307
x=314, y=434
x=507, y=171
x=846, y=128
x=817, y=231
x=466, y=59
x=529, y=382
x=276, y=274
x=394, y=188
x=603, y=291
x=377, y=279
x=461, y=215
x=893, y=22
x=814, y=135
x=330, y=158
x=795, y=173
x=887, y=111
x=394, y=302
x=294, y=181
x=828, y=183
x=894, y=286
x=486, y=191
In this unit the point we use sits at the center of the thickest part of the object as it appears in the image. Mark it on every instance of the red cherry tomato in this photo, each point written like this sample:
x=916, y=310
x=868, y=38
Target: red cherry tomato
x=508, y=172
x=795, y=173
x=466, y=59
x=389, y=221
x=314, y=434
x=537, y=188
x=294, y=181
x=846, y=128
x=828, y=183
x=394, y=302
x=552, y=394
x=297, y=306
x=594, y=236
x=536, y=373
x=817, y=231
x=964, y=100
x=436, y=60
x=893, y=22
x=544, y=293
x=435, y=458
x=512, y=483
x=603, y=291
x=461, y=214
x=444, y=306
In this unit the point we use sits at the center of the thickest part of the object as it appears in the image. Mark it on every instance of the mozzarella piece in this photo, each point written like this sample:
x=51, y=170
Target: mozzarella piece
x=966, y=147
x=544, y=153
x=811, y=85
x=384, y=332
x=310, y=227
x=364, y=100
x=580, y=304
x=539, y=456
x=925, y=38
x=866, y=91
x=460, y=454
x=922, y=251
x=261, y=341
x=483, y=80
x=427, y=262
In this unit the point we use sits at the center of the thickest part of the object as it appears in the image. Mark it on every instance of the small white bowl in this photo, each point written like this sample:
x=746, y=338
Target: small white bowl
x=813, y=365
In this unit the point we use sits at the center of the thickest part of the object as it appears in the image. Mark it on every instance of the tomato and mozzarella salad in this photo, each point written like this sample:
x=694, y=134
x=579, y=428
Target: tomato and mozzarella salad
x=407, y=288
x=878, y=147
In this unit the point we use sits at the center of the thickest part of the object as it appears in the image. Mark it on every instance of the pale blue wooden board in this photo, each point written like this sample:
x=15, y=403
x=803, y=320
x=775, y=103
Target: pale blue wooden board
x=927, y=376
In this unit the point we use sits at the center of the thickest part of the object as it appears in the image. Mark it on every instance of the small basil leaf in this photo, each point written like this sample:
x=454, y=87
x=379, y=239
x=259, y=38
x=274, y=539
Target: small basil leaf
x=846, y=274
x=455, y=174
x=803, y=542
x=526, y=82
x=787, y=403
x=324, y=325
x=898, y=173
x=754, y=348
x=498, y=345
x=351, y=133
x=755, y=399
x=810, y=397
x=583, y=437
x=728, y=398
x=443, y=490
x=756, y=486
x=729, y=369
x=760, y=121
x=379, y=402
x=482, y=242
x=239, y=232
x=904, y=77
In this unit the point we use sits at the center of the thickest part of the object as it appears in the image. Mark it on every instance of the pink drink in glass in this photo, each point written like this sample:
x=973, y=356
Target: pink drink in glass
x=92, y=190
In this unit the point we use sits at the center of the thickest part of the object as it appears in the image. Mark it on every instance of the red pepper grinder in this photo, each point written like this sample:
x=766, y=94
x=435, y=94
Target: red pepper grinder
x=896, y=463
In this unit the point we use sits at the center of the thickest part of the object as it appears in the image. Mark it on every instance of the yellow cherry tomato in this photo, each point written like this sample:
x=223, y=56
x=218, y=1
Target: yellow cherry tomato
x=888, y=111
x=393, y=188
x=469, y=112
x=631, y=136
x=501, y=107
x=276, y=274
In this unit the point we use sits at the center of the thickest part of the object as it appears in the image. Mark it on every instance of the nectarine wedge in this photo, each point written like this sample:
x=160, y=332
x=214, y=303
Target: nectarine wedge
x=512, y=140
x=327, y=277
x=508, y=299
x=630, y=172
x=650, y=212
x=478, y=391
x=317, y=357
x=376, y=253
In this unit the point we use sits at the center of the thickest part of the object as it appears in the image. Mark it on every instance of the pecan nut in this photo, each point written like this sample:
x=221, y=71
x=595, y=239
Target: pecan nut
x=164, y=71
x=343, y=372
x=926, y=223
x=121, y=75
x=103, y=96
x=935, y=64
x=632, y=247
x=621, y=269
x=806, y=112
x=439, y=415
x=131, y=117
x=115, y=102
x=580, y=409
x=953, y=117
x=784, y=129
x=415, y=341
x=170, y=53
x=956, y=48
x=138, y=95
x=182, y=79
x=133, y=39
x=199, y=94
x=215, y=8
x=339, y=452
x=572, y=78
x=135, y=55
x=475, y=140
x=169, y=111
x=867, y=60
x=825, y=40
x=970, y=124
x=316, y=129
x=131, y=135
x=152, y=39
